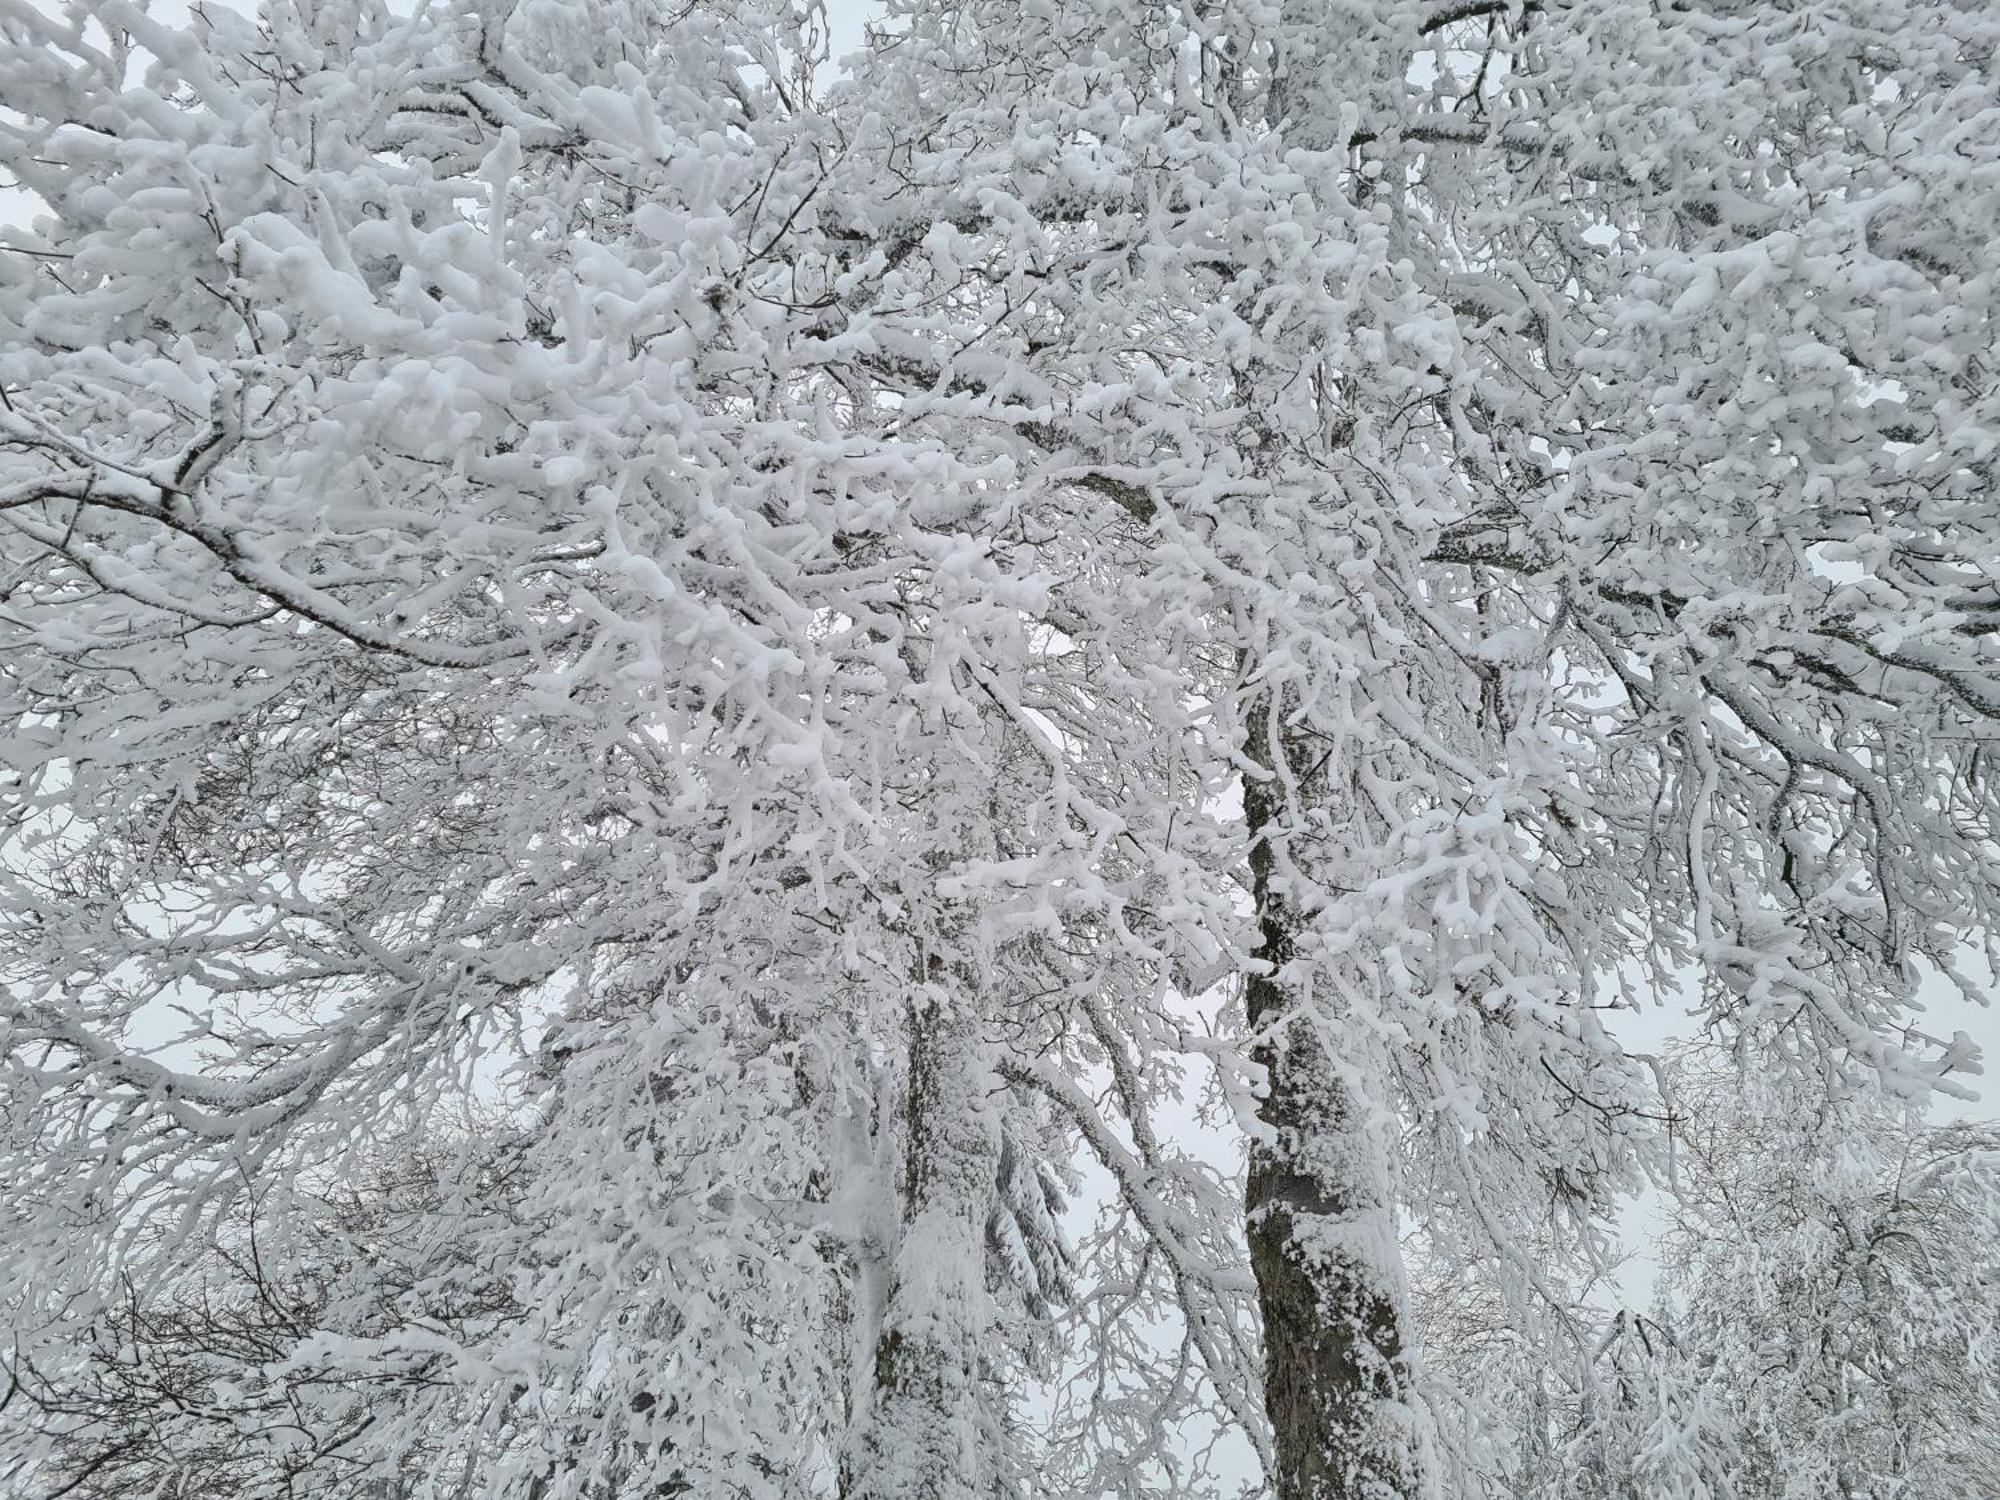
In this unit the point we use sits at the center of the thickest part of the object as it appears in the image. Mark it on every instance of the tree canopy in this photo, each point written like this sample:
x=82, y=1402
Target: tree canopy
x=682, y=725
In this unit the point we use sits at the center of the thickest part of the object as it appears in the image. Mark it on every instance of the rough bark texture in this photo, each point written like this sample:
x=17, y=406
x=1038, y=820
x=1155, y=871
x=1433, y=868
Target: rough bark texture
x=1321, y=1227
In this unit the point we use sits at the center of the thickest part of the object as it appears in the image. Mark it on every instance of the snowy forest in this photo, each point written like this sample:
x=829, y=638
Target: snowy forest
x=999, y=750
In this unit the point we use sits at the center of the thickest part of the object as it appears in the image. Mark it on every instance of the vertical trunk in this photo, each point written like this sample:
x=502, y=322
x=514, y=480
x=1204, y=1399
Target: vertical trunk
x=918, y=1436
x=1322, y=1237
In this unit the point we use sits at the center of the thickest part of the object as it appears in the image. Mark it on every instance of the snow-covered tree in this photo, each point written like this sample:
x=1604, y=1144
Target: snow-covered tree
x=485, y=598
x=1568, y=628
x=1830, y=1262
x=1824, y=1324
x=838, y=622
x=240, y=1380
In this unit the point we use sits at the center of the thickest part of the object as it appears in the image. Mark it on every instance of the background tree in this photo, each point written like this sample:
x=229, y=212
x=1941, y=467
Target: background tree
x=1827, y=1261
x=313, y=1320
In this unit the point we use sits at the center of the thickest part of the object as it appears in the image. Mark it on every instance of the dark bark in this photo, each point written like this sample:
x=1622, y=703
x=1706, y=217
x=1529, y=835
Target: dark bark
x=1321, y=1223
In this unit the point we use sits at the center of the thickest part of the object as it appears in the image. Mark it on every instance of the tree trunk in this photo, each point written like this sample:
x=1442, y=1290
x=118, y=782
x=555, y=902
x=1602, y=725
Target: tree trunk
x=1322, y=1236
x=919, y=1434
